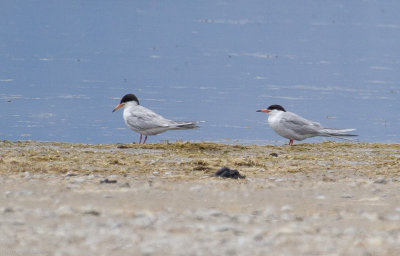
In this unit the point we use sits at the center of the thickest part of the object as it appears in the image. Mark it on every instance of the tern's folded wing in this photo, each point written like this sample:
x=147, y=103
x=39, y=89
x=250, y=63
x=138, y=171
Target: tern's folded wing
x=300, y=125
x=145, y=119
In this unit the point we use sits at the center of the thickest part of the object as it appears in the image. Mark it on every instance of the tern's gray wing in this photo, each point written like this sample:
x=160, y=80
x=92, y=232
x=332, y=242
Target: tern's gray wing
x=300, y=125
x=142, y=118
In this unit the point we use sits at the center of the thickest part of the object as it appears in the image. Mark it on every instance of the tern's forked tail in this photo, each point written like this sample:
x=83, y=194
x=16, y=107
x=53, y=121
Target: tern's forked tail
x=186, y=125
x=338, y=133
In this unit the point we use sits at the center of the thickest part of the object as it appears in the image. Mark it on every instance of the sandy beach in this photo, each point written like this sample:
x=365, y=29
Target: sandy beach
x=163, y=199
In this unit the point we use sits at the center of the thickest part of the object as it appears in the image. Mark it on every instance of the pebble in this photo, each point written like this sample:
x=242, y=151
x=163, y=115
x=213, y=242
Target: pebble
x=286, y=208
x=25, y=192
x=144, y=219
x=380, y=181
x=107, y=181
x=7, y=210
x=374, y=241
x=70, y=174
x=79, y=180
x=195, y=188
x=125, y=185
x=372, y=216
x=391, y=217
x=347, y=196
x=286, y=230
x=64, y=210
x=92, y=212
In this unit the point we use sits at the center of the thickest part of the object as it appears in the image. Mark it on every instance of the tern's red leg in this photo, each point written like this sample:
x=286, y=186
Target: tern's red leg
x=140, y=141
x=291, y=142
x=145, y=138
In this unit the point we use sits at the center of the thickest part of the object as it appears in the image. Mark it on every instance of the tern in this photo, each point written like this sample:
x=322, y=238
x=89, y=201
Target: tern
x=145, y=122
x=294, y=127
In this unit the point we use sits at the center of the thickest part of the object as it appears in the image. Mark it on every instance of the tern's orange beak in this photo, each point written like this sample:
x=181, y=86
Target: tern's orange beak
x=118, y=107
x=264, y=110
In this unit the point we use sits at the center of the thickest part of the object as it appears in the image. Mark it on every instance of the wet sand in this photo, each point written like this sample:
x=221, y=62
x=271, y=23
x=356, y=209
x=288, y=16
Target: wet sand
x=162, y=199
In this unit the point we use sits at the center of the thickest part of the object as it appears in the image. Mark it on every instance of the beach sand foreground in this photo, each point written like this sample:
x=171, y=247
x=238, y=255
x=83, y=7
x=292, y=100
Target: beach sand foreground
x=162, y=199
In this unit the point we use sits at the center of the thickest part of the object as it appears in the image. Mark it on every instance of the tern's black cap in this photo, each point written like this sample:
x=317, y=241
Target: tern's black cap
x=277, y=107
x=129, y=97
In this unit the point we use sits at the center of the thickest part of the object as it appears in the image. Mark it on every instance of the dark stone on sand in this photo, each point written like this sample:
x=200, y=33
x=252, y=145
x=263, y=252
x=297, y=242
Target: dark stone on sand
x=107, y=181
x=225, y=172
x=122, y=146
x=92, y=212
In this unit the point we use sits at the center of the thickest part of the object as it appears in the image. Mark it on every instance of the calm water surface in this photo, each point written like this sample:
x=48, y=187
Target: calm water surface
x=66, y=64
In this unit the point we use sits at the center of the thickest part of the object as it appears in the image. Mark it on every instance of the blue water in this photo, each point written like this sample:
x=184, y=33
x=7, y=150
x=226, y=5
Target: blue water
x=66, y=64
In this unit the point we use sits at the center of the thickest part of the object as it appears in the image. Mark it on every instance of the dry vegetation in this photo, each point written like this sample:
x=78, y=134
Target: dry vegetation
x=185, y=160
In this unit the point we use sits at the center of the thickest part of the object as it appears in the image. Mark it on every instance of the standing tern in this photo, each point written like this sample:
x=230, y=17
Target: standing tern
x=145, y=122
x=295, y=127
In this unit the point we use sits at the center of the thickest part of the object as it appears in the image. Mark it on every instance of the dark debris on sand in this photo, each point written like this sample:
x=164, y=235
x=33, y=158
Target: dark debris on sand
x=226, y=172
x=107, y=181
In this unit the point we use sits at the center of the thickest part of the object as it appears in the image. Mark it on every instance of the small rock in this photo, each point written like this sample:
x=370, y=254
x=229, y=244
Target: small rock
x=125, y=185
x=391, y=217
x=107, y=181
x=92, y=212
x=116, y=225
x=90, y=176
x=195, y=188
x=396, y=178
x=73, y=186
x=65, y=210
x=372, y=216
x=347, y=196
x=380, y=181
x=225, y=172
x=25, y=192
x=286, y=230
x=8, y=210
x=286, y=208
x=79, y=180
x=273, y=154
x=223, y=228
x=374, y=241
x=122, y=146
